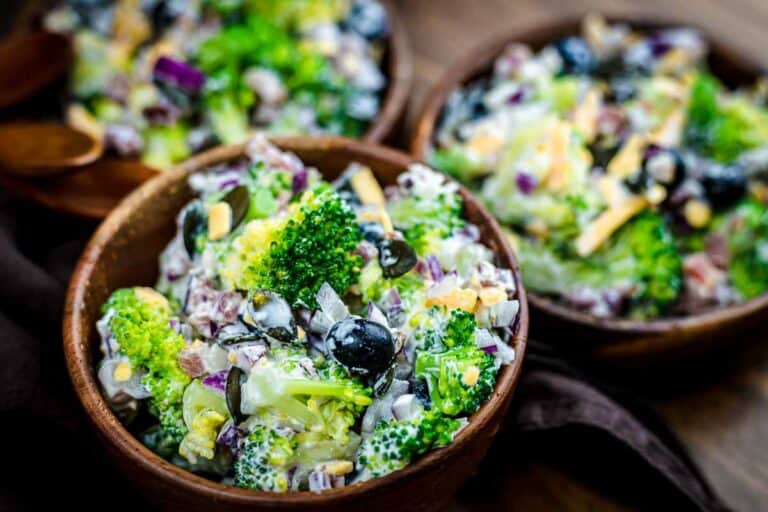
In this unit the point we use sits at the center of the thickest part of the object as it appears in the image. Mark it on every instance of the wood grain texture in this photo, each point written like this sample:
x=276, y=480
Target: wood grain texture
x=721, y=411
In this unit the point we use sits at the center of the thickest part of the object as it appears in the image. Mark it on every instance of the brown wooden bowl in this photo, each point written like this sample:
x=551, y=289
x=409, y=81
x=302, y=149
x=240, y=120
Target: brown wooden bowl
x=123, y=252
x=630, y=340
x=68, y=194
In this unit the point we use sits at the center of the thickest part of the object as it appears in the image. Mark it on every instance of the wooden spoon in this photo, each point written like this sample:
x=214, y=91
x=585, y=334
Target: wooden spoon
x=30, y=61
x=41, y=149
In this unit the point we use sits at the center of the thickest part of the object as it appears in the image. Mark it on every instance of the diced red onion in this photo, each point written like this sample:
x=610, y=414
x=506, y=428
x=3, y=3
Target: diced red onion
x=217, y=381
x=435, y=270
x=406, y=407
x=230, y=436
x=375, y=315
x=526, y=183
x=231, y=182
x=319, y=481
x=331, y=304
x=179, y=74
x=367, y=251
x=300, y=181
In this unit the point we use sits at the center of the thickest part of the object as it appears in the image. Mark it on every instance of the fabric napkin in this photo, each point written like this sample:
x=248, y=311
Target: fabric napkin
x=50, y=453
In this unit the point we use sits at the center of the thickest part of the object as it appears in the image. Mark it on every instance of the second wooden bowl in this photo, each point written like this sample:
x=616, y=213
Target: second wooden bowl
x=123, y=252
x=80, y=193
x=606, y=338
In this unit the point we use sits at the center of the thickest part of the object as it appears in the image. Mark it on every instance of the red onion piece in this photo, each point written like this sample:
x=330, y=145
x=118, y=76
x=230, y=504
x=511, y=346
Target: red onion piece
x=179, y=74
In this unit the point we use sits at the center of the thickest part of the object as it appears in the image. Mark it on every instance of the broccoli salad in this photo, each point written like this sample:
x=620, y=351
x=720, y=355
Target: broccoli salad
x=633, y=182
x=161, y=79
x=306, y=335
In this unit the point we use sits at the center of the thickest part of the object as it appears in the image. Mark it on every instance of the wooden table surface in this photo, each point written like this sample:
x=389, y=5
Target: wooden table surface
x=719, y=411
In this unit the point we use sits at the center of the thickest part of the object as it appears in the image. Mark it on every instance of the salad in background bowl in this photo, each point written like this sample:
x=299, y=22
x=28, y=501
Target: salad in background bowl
x=164, y=79
x=319, y=342
x=659, y=276
x=633, y=181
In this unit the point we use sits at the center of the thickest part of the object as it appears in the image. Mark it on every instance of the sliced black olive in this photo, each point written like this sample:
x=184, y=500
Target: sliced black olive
x=724, y=185
x=421, y=390
x=603, y=151
x=239, y=200
x=660, y=165
x=383, y=382
x=233, y=394
x=373, y=232
x=361, y=346
x=396, y=258
x=270, y=313
x=193, y=225
x=578, y=57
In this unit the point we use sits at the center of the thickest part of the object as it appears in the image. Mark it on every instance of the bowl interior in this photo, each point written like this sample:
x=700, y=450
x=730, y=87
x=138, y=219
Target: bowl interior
x=124, y=252
x=732, y=67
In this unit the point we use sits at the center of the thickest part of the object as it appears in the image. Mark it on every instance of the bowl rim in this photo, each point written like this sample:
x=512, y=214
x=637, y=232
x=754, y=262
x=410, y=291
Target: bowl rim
x=119, y=438
x=478, y=60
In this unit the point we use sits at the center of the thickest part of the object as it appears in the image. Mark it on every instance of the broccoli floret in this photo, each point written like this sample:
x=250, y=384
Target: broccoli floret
x=393, y=445
x=229, y=119
x=299, y=14
x=264, y=460
x=329, y=402
x=428, y=215
x=294, y=257
x=140, y=322
x=204, y=413
x=748, y=248
x=458, y=161
x=373, y=285
x=165, y=145
x=723, y=128
x=642, y=255
x=461, y=377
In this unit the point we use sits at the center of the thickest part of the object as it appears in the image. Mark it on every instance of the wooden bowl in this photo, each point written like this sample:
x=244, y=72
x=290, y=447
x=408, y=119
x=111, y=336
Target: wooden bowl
x=123, y=252
x=616, y=339
x=79, y=194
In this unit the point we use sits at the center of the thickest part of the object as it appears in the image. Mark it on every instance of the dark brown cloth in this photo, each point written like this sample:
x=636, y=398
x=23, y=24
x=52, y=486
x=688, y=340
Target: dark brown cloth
x=50, y=455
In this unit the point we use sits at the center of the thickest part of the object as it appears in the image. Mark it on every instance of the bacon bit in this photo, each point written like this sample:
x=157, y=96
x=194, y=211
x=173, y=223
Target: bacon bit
x=191, y=362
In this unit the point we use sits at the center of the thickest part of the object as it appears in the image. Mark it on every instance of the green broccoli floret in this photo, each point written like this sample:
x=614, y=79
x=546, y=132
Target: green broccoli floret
x=165, y=145
x=140, y=322
x=723, y=128
x=641, y=255
x=264, y=460
x=298, y=14
x=425, y=221
x=458, y=161
x=460, y=376
x=313, y=246
x=393, y=445
x=748, y=248
x=329, y=403
x=373, y=285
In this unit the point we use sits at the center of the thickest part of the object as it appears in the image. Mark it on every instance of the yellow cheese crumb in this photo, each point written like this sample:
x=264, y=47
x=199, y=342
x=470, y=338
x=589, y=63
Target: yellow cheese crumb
x=670, y=133
x=123, y=372
x=457, y=298
x=471, y=376
x=585, y=114
x=379, y=215
x=492, y=295
x=600, y=229
x=485, y=143
x=629, y=157
x=657, y=194
x=367, y=188
x=558, y=149
x=338, y=467
x=611, y=190
x=697, y=213
x=150, y=296
x=232, y=357
x=219, y=220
